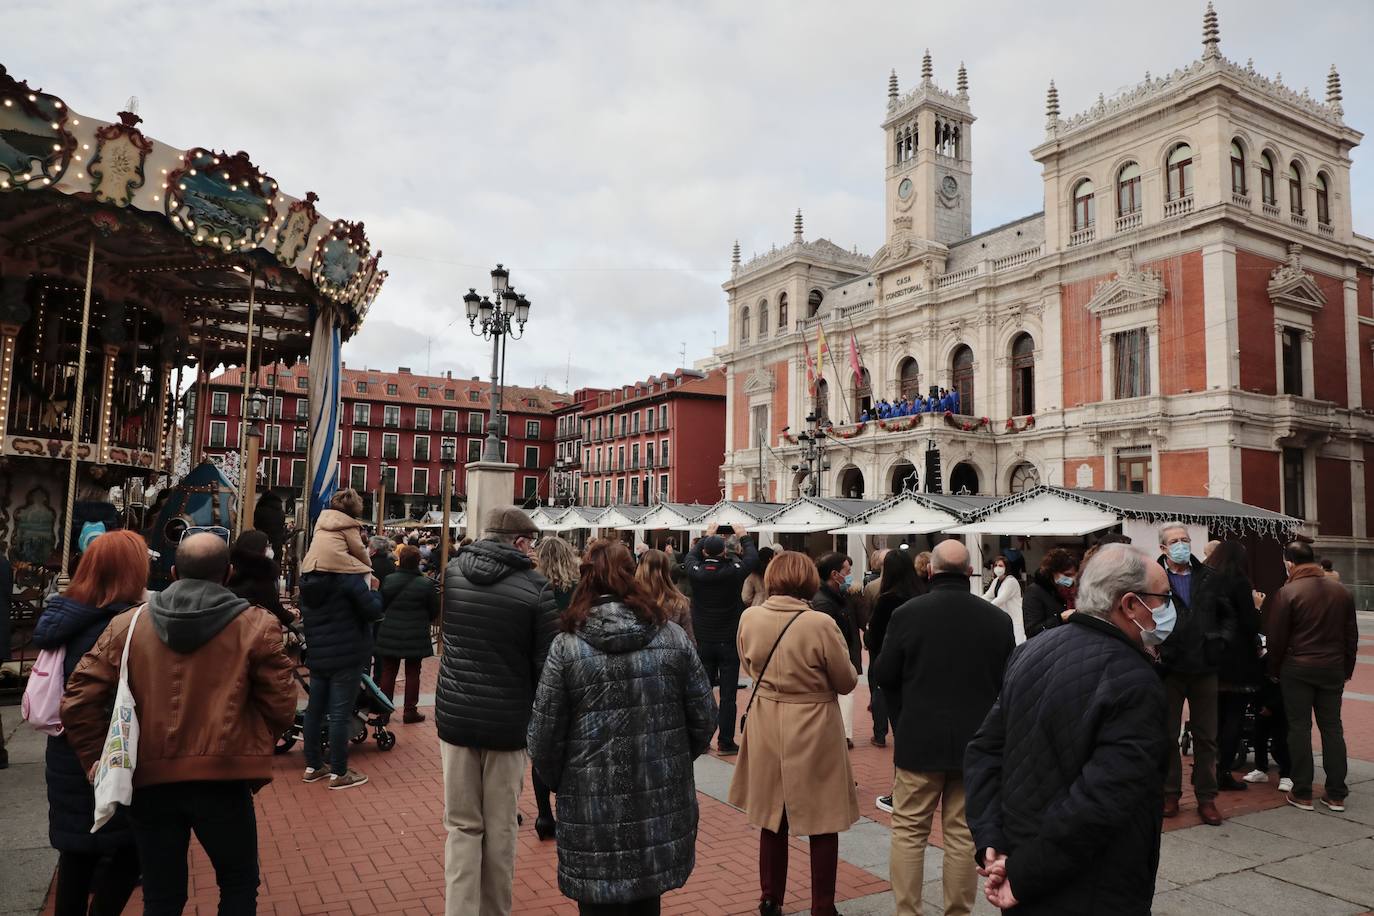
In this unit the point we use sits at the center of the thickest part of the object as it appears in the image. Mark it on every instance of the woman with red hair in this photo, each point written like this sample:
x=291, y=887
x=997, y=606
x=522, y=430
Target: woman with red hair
x=111, y=578
x=622, y=710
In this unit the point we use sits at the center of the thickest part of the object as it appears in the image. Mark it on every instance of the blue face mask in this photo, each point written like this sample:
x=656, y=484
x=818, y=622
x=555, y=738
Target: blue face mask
x=848, y=581
x=1165, y=617
x=1180, y=552
x=1064, y=581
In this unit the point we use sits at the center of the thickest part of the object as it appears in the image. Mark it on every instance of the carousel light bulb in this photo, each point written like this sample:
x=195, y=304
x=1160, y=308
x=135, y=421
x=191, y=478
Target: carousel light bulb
x=85, y=146
x=57, y=147
x=75, y=122
x=57, y=104
x=32, y=97
x=8, y=103
x=56, y=126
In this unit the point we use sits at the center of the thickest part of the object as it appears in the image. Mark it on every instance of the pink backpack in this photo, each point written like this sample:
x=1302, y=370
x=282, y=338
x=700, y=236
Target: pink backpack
x=42, y=704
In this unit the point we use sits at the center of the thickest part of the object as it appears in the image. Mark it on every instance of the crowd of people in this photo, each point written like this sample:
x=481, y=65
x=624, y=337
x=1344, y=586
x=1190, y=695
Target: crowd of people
x=943, y=400
x=1041, y=716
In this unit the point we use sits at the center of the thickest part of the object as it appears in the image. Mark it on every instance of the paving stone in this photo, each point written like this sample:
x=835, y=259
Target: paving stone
x=1307, y=826
x=872, y=905
x=1256, y=846
x=1260, y=895
x=1181, y=903
x=1326, y=875
x=933, y=896
x=1360, y=852
x=1357, y=770
x=1182, y=862
x=869, y=846
x=25, y=875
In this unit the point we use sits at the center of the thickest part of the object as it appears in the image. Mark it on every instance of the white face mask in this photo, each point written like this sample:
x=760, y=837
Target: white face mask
x=270, y=554
x=999, y=571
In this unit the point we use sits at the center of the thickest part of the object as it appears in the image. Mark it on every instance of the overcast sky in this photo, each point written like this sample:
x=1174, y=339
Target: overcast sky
x=610, y=153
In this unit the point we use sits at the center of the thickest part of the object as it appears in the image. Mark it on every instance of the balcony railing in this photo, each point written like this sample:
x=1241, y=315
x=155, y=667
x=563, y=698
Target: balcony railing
x=1298, y=219
x=1269, y=209
x=1240, y=199
x=1179, y=206
x=1326, y=229
x=1128, y=221
x=1082, y=236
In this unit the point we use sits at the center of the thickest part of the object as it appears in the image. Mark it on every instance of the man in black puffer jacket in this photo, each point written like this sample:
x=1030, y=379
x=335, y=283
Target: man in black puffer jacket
x=717, y=601
x=499, y=618
x=1065, y=778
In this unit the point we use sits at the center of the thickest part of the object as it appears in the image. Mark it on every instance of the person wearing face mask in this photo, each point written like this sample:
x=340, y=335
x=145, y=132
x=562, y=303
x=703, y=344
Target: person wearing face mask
x=1045, y=603
x=833, y=598
x=499, y=618
x=1064, y=779
x=1005, y=593
x=1190, y=661
x=254, y=574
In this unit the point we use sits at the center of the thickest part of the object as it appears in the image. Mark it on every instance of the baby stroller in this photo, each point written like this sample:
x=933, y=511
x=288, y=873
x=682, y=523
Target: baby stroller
x=372, y=710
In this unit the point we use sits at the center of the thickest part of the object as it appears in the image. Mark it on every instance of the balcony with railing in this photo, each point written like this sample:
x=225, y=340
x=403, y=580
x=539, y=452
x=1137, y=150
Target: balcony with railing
x=1240, y=199
x=1298, y=218
x=1128, y=221
x=1179, y=206
x=1270, y=209
x=1082, y=236
x=1326, y=229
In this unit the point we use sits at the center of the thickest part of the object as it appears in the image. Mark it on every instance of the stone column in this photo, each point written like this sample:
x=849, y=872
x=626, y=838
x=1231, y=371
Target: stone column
x=490, y=484
x=1220, y=314
x=106, y=404
x=1353, y=371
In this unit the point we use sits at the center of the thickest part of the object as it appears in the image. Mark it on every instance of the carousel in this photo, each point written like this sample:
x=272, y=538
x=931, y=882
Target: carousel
x=129, y=271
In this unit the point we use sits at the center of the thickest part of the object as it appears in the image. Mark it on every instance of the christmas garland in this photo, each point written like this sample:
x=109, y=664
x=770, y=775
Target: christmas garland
x=900, y=424
x=1013, y=428
x=967, y=426
x=850, y=432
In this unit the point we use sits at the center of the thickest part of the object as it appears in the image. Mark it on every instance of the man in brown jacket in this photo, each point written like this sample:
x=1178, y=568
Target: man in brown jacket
x=213, y=690
x=1311, y=636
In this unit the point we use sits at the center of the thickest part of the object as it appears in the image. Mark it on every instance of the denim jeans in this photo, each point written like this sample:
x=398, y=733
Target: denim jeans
x=222, y=816
x=721, y=661
x=335, y=694
x=1308, y=692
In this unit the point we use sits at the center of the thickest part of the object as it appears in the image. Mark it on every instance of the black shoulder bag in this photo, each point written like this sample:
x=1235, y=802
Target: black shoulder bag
x=762, y=671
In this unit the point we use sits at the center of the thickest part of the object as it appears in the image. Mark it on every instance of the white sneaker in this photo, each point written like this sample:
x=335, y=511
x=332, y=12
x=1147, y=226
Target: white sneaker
x=1285, y=784
x=1256, y=776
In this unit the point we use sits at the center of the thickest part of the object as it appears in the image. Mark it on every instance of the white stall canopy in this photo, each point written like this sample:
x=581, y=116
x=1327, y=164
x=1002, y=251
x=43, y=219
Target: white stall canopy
x=578, y=518
x=916, y=513
x=815, y=514
x=622, y=516
x=670, y=516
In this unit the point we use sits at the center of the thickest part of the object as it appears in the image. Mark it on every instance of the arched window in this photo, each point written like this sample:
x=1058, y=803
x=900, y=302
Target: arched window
x=1237, y=168
x=863, y=393
x=899, y=150
x=961, y=370
x=1024, y=477
x=1323, y=200
x=763, y=318
x=1180, y=171
x=782, y=311
x=1295, y=188
x=813, y=303
x=744, y=325
x=1267, y=192
x=904, y=479
x=852, y=483
x=1128, y=189
x=821, y=403
x=1022, y=375
x=908, y=379
x=1083, y=210
x=963, y=480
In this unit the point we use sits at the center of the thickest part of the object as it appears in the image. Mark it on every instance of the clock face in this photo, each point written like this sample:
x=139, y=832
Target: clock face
x=950, y=186
x=904, y=189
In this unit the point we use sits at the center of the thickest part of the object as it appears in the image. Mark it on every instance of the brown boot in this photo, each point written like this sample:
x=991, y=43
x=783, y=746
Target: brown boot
x=1207, y=810
x=412, y=715
x=1171, y=806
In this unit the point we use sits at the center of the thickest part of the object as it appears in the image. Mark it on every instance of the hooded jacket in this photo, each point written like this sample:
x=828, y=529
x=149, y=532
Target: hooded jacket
x=622, y=710
x=211, y=681
x=1311, y=622
x=337, y=545
x=499, y=618
x=71, y=801
x=338, y=611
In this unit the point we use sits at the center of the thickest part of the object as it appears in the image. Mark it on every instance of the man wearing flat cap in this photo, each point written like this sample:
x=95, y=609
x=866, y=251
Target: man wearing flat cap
x=499, y=618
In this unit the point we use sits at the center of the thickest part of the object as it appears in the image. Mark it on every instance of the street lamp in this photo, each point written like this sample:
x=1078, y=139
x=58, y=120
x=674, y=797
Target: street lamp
x=381, y=498
x=448, y=457
x=813, y=455
x=254, y=410
x=496, y=319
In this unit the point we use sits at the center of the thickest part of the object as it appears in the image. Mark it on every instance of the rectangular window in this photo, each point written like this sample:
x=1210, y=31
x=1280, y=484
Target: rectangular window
x=422, y=418
x=474, y=395
x=423, y=391
x=758, y=425
x=531, y=456
x=663, y=452
x=1133, y=470
x=448, y=394
x=219, y=430
x=419, y=481
x=359, y=449
x=620, y=458
x=391, y=388
x=663, y=416
x=297, y=472
x=1131, y=364
x=532, y=429
x=302, y=408
x=596, y=493
x=477, y=423
x=362, y=414
x=634, y=422
x=450, y=421
x=648, y=454
x=360, y=387
x=634, y=488
x=219, y=402
x=302, y=381
x=450, y=445
x=585, y=491
x=390, y=478
x=531, y=485
x=276, y=408
x=271, y=440
x=391, y=445
x=620, y=490
x=505, y=424
x=391, y=416
x=422, y=448
x=1292, y=362
x=357, y=477
x=663, y=487
x=504, y=450
x=474, y=450
x=271, y=472
x=298, y=439
x=1294, y=483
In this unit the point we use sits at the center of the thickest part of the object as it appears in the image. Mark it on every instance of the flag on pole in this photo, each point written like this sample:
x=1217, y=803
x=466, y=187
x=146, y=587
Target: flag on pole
x=821, y=350
x=854, y=364
x=810, y=368
x=324, y=367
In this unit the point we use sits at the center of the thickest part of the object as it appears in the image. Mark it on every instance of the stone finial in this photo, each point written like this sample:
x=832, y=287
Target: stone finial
x=927, y=70
x=1052, y=103
x=1211, y=33
x=892, y=85
x=1333, y=90
x=962, y=85
x=734, y=256
x=797, y=227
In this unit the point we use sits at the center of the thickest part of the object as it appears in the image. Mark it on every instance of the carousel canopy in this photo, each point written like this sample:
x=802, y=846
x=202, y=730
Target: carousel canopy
x=1058, y=511
x=184, y=233
x=916, y=513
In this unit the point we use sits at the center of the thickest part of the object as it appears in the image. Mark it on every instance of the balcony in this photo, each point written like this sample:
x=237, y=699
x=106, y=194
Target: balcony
x=1298, y=218
x=1269, y=209
x=1128, y=221
x=1082, y=236
x=1240, y=199
x=1179, y=206
x=1326, y=229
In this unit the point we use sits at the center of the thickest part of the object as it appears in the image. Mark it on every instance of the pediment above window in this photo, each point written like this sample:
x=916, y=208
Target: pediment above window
x=1131, y=290
x=1293, y=287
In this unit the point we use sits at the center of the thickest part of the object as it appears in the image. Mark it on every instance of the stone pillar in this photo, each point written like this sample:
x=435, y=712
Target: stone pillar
x=106, y=404
x=1221, y=313
x=1353, y=363
x=490, y=484
x=8, y=333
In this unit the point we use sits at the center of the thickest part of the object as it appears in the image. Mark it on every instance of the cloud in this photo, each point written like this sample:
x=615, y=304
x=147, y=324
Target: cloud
x=609, y=153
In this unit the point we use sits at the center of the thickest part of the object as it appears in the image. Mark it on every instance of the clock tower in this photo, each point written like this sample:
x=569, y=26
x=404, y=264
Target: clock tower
x=929, y=161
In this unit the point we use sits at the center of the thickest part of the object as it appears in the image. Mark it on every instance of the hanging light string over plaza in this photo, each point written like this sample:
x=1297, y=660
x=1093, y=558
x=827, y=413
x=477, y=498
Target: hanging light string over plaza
x=491, y=319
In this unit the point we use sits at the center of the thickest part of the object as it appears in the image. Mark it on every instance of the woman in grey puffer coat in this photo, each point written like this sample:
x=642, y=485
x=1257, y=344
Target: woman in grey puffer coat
x=622, y=710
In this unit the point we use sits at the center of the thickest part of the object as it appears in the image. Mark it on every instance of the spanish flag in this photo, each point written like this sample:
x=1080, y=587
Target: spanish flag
x=821, y=350
x=810, y=368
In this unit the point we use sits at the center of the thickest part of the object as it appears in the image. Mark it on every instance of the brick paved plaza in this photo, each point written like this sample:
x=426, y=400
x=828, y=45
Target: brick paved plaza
x=379, y=849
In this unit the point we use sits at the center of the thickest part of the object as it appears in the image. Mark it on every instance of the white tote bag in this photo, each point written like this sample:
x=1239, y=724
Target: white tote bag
x=114, y=780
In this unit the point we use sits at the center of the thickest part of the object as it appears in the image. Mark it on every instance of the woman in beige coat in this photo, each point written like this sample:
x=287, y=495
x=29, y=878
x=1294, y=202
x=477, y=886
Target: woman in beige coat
x=793, y=772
